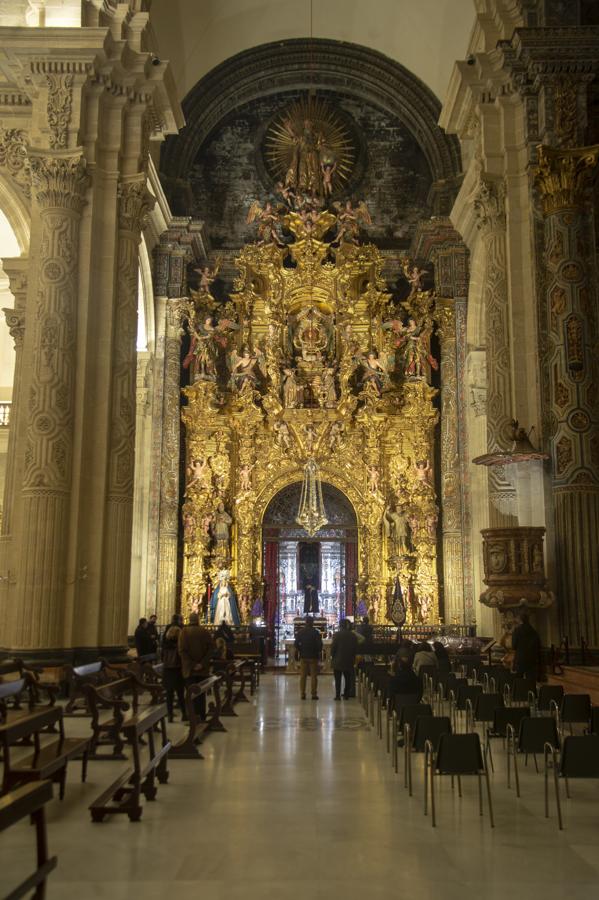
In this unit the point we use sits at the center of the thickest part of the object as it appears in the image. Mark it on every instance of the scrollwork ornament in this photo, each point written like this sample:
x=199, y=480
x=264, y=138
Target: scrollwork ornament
x=14, y=158
x=60, y=101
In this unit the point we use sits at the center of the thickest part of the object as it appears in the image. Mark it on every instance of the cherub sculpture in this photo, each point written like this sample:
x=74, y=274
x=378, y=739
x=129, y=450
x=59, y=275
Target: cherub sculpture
x=245, y=368
x=245, y=477
x=197, y=471
x=349, y=219
x=414, y=276
x=374, y=371
x=208, y=275
x=268, y=219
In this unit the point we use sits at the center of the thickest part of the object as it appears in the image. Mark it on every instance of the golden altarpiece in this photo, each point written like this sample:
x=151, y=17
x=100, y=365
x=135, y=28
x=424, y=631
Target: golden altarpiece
x=310, y=364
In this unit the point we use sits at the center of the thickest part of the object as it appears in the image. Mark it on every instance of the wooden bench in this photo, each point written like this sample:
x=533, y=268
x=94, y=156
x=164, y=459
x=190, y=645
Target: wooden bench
x=124, y=794
x=10, y=691
x=77, y=679
x=48, y=761
x=15, y=670
x=148, y=671
x=187, y=747
x=29, y=800
x=107, y=732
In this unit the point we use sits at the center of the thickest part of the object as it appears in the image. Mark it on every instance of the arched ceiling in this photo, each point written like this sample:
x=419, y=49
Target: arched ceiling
x=425, y=36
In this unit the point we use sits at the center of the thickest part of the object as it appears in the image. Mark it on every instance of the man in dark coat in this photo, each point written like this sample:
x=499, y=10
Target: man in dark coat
x=526, y=645
x=144, y=642
x=404, y=680
x=196, y=647
x=309, y=644
x=343, y=652
x=310, y=599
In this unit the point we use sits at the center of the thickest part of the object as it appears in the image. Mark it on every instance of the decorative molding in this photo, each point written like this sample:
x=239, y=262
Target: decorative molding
x=16, y=325
x=59, y=181
x=60, y=103
x=563, y=175
x=135, y=203
x=14, y=158
x=488, y=201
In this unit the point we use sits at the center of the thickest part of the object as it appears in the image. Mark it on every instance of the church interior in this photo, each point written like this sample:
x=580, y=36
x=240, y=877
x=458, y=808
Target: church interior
x=299, y=377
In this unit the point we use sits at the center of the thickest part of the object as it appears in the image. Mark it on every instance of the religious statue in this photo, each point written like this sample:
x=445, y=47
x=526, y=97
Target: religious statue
x=349, y=219
x=221, y=526
x=336, y=435
x=414, y=276
x=311, y=604
x=291, y=390
x=312, y=335
x=283, y=435
x=304, y=173
x=245, y=477
x=245, y=368
x=189, y=525
x=373, y=479
x=396, y=530
x=203, y=350
x=208, y=275
x=423, y=471
x=268, y=219
x=374, y=373
x=415, y=341
x=328, y=391
x=223, y=602
x=197, y=471
x=328, y=168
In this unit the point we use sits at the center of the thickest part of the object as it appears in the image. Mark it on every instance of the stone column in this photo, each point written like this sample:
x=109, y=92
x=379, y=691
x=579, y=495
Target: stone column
x=169, y=470
x=451, y=505
x=489, y=207
x=59, y=184
x=133, y=204
x=16, y=271
x=569, y=333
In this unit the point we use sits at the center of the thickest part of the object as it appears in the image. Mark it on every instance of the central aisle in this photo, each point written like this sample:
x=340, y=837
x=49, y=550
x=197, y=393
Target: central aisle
x=298, y=800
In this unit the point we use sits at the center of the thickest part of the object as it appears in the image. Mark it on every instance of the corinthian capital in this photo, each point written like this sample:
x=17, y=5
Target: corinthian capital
x=59, y=181
x=488, y=200
x=135, y=204
x=563, y=175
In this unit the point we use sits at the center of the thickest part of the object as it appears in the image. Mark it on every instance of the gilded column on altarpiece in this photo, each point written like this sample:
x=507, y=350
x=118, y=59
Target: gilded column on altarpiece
x=569, y=332
x=59, y=184
x=451, y=498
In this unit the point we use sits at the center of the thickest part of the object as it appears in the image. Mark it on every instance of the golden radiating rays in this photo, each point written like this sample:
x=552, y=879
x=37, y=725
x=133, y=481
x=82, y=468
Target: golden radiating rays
x=331, y=135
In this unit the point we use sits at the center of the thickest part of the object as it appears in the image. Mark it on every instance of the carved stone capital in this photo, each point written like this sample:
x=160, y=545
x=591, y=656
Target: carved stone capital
x=488, y=200
x=16, y=325
x=135, y=204
x=13, y=157
x=562, y=176
x=445, y=319
x=59, y=182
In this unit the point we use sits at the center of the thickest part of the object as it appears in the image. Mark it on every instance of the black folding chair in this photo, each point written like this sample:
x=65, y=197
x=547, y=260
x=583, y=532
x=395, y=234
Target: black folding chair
x=594, y=724
x=500, y=679
x=533, y=735
x=519, y=691
x=579, y=759
x=502, y=717
x=482, y=710
x=394, y=704
x=428, y=676
x=575, y=709
x=457, y=755
x=404, y=718
x=446, y=683
x=459, y=697
x=426, y=728
x=545, y=695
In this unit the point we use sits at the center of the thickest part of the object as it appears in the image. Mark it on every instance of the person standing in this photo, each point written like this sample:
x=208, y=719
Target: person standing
x=343, y=653
x=309, y=644
x=196, y=647
x=526, y=645
x=172, y=675
x=144, y=643
x=310, y=599
x=153, y=630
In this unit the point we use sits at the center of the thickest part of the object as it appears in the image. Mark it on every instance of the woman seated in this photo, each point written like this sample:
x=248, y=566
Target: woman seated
x=424, y=656
x=404, y=680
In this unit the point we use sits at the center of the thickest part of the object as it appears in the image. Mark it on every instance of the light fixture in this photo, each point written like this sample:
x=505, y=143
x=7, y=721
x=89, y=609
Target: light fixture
x=311, y=514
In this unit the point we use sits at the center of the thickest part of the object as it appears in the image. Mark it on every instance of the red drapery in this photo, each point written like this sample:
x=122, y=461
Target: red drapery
x=271, y=576
x=351, y=575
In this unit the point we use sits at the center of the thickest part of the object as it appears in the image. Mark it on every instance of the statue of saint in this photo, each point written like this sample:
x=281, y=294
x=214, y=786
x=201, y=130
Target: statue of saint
x=223, y=602
x=328, y=391
x=245, y=368
x=291, y=390
x=396, y=530
x=304, y=174
x=221, y=525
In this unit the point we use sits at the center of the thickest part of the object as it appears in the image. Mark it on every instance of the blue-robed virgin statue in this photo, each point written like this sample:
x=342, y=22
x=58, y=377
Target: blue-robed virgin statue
x=223, y=602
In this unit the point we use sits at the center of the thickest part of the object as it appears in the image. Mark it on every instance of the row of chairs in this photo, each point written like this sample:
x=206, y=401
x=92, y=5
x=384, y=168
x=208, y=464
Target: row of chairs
x=525, y=730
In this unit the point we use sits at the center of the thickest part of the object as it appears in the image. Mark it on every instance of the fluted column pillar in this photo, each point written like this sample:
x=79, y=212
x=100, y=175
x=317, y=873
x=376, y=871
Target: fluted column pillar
x=489, y=207
x=451, y=495
x=59, y=184
x=569, y=336
x=169, y=469
x=133, y=204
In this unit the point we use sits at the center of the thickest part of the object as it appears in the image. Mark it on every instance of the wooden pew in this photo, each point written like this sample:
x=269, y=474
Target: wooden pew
x=48, y=761
x=231, y=670
x=148, y=671
x=16, y=669
x=29, y=800
x=187, y=747
x=124, y=794
x=10, y=691
x=107, y=732
x=77, y=678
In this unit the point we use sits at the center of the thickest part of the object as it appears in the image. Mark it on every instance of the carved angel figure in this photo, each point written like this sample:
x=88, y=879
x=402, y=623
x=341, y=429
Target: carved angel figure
x=373, y=479
x=423, y=471
x=283, y=435
x=349, y=220
x=245, y=477
x=208, y=274
x=245, y=368
x=206, y=339
x=328, y=167
x=267, y=218
x=415, y=341
x=336, y=435
x=374, y=371
x=414, y=276
x=197, y=471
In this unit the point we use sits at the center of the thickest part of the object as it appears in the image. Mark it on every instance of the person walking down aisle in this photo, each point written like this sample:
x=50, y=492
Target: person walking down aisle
x=526, y=645
x=196, y=648
x=343, y=652
x=309, y=644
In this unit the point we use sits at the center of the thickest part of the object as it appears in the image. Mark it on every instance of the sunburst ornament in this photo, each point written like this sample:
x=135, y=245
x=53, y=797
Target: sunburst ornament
x=309, y=149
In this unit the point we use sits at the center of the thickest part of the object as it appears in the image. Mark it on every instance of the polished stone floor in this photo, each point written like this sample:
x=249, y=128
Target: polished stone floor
x=299, y=799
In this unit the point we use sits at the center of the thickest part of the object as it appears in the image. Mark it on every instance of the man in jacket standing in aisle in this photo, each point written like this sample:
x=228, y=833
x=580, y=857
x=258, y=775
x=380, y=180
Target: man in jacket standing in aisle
x=309, y=644
x=196, y=647
x=343, y=652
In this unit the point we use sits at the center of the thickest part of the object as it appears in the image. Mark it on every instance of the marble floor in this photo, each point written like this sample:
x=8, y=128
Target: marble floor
x=299, y=799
